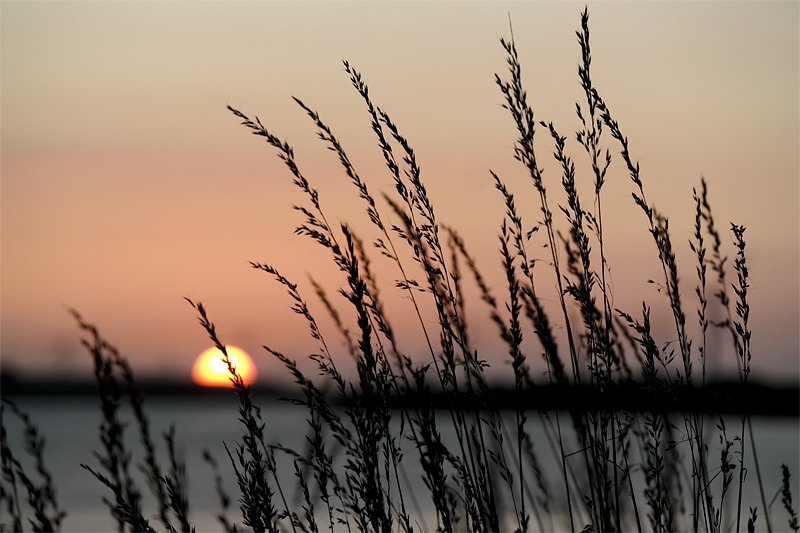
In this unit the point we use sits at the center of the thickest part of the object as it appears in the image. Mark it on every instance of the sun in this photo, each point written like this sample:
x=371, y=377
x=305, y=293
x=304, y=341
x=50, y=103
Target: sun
x=209, y=369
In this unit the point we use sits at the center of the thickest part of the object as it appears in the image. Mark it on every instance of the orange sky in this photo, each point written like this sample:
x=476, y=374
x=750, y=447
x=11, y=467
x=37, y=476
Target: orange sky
x=127, y=185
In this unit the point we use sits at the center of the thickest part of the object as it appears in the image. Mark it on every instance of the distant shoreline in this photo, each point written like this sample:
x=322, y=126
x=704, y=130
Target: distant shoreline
x=721, y=397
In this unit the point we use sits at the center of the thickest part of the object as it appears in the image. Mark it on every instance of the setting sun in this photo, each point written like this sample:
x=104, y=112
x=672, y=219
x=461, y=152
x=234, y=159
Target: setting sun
x=211, y=371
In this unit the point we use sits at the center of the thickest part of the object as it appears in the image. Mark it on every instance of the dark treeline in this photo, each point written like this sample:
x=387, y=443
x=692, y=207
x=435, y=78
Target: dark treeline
x=720, y=397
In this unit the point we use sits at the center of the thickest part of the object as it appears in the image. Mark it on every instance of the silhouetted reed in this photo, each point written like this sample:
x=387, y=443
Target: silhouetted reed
x=41, y=495
x=115, y=460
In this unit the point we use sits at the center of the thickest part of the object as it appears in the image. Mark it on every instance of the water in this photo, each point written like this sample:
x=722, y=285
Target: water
x=70, y=425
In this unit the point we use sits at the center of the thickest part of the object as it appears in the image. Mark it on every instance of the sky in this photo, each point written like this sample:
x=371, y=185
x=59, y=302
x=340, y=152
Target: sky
x=126, y=185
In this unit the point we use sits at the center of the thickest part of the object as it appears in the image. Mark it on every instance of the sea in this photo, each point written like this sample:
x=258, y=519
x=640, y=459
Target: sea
x=70, y=425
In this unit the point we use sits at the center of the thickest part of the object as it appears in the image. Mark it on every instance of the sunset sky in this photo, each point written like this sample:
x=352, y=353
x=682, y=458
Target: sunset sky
x=127, y=185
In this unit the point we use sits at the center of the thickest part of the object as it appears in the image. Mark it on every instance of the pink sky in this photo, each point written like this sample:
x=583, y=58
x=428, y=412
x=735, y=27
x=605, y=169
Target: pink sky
x=127, y=185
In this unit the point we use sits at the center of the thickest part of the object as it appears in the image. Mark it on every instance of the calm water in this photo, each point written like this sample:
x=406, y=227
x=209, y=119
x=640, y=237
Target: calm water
x=70, y=425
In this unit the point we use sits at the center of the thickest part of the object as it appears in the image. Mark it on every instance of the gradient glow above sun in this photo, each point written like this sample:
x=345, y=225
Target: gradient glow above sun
x=210, y=370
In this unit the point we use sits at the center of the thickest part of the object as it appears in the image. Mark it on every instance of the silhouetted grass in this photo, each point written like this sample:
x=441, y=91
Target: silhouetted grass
x=643, y=469
x=41, y=494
